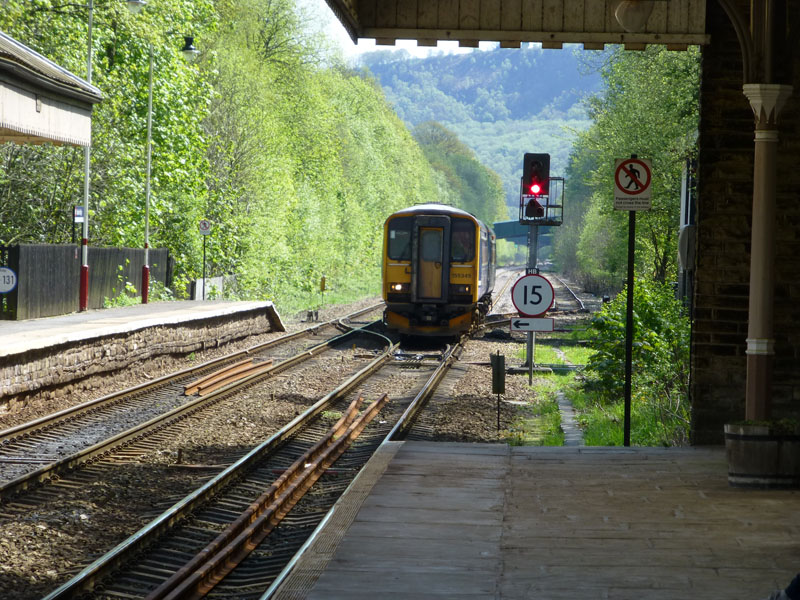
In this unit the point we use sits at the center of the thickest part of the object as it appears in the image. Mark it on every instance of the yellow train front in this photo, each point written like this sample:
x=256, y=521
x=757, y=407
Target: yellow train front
x=438, y=270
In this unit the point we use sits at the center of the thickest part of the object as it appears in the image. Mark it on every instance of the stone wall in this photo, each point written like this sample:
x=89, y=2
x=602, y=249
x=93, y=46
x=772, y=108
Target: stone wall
x=724, y=207
x=85, y=364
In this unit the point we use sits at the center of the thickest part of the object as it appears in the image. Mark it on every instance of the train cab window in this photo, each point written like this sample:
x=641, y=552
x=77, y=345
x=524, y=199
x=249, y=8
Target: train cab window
x=462, y=244
x=400, y=238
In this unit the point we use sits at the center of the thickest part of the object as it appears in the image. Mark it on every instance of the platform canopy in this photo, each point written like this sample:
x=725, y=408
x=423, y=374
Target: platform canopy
x=40, y=101
x=593, y=23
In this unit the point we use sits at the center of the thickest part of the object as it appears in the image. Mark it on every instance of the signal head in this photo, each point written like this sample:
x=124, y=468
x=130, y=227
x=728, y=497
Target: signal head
x=536, y=174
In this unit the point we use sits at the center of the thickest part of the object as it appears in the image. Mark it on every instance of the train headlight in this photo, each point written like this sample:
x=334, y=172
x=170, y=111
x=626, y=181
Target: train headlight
x=399, y=288
x=460, y=288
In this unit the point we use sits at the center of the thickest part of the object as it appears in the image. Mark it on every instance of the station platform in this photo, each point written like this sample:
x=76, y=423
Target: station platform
x=21, y=336
x=54, y=352
x=468, y=521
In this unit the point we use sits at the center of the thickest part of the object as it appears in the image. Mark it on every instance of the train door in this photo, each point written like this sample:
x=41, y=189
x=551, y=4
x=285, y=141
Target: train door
x=431, y=246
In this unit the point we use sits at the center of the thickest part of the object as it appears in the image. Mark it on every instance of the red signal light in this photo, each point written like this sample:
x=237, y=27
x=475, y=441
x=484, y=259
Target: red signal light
x=535, y=174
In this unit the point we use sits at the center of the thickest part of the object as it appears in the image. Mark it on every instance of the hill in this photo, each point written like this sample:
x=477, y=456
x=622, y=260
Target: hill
x=501, y=103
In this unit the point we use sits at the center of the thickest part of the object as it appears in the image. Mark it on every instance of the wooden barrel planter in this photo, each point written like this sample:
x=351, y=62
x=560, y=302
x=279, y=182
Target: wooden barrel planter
x=763, y=456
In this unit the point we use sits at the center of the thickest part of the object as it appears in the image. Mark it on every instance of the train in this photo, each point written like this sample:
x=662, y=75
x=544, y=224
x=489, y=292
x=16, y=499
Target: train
x=438, y=270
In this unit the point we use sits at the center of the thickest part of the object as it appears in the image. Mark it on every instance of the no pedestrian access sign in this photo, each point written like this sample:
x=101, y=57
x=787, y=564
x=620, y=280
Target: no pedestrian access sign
x=632, y=178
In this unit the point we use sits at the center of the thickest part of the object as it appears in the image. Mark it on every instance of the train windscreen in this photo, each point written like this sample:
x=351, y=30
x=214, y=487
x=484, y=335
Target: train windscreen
x=399, y=247
x=462, y=245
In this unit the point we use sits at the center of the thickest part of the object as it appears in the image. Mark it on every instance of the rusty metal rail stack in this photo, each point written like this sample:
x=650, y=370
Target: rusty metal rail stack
x=220, y=557
x=225, y=376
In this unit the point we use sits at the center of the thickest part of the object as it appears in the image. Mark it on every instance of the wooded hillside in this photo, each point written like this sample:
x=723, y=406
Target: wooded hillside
x=294, y=158
x=501, y=103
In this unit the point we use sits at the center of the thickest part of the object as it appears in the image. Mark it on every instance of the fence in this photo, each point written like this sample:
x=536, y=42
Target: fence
x=48, y=277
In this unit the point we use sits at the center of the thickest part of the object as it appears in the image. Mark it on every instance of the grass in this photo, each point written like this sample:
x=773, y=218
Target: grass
x=602, y=422
x=545, y=354
x=539, y=424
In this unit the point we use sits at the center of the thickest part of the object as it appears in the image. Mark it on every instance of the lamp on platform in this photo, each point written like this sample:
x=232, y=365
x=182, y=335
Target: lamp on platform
x=190, y=53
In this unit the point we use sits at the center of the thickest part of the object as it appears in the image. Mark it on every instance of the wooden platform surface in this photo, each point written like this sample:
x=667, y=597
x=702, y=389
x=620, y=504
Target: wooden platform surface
x=439, y=520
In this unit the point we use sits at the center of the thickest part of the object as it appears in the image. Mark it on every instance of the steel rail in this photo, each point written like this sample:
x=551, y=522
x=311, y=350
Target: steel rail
x=405, y=421
x=581, y=306
x=201, y=574
x=160, y=422
x=138, y=541
x=48, y=421
x=506, y=285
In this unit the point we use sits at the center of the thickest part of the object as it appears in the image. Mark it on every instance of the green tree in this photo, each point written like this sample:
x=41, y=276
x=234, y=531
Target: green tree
x=295, y=159
x=39, y=185
x=306, y=161
x=649, y=107
x=472, y=186
x=660, y=362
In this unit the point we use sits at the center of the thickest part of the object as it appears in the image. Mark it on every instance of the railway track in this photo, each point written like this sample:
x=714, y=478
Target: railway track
x=566, y=298
x=267, y=564
x=38, y=451
x=144, y=564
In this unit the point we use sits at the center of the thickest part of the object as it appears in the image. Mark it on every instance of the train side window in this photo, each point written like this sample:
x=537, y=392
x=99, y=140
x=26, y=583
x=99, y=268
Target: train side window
x=400, y=238
x=462, y=244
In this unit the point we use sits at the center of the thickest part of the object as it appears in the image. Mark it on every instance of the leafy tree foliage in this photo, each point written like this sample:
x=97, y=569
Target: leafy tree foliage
x=649, y=107
x=306, y=162
x=295, y=159
x=660, y=365
x=465, y=182
x=40, y=185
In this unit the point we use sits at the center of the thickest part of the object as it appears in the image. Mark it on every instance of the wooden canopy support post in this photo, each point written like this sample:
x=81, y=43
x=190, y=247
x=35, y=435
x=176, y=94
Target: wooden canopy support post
x=766, y=101
x=763, y=42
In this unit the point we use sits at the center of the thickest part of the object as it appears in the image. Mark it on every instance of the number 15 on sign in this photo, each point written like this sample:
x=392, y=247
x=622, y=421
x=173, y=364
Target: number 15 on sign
x=532, y=295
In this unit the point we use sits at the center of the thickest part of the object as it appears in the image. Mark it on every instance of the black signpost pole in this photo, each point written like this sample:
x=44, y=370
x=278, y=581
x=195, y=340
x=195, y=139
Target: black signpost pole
x=629, y=326
x=632, y=195
x=204, y=266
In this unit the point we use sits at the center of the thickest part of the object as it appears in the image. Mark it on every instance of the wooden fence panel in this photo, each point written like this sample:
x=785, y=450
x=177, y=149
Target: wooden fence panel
x=49, y=277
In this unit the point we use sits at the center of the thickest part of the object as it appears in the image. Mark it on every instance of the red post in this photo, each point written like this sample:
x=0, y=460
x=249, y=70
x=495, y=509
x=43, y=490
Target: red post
x=83, y=300
x=145, y=283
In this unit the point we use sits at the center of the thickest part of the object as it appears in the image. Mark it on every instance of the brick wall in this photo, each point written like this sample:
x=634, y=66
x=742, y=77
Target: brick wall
x=724, y=209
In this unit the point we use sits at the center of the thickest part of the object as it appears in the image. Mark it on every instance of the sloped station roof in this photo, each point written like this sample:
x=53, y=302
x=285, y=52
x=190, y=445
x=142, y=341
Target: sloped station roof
x=40, y=101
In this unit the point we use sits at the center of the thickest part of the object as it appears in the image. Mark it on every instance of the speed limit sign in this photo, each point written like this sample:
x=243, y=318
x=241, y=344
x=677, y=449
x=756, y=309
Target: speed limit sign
x=532, y=295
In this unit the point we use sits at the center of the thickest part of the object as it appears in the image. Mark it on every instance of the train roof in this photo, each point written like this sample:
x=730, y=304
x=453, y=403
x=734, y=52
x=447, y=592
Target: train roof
x=435, y=209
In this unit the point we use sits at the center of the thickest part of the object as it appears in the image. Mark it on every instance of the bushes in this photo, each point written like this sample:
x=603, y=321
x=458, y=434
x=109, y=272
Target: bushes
x=660, y=380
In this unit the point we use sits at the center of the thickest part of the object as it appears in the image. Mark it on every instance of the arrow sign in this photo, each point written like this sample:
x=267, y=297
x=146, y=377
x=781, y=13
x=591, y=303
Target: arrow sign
x=532, y=324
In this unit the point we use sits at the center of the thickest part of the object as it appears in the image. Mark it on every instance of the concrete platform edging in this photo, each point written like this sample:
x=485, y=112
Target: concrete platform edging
x=62, y=351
